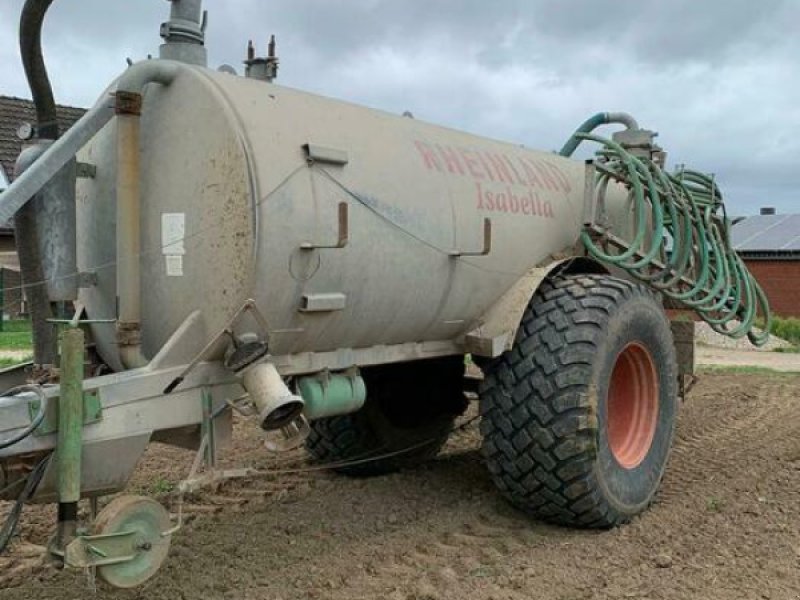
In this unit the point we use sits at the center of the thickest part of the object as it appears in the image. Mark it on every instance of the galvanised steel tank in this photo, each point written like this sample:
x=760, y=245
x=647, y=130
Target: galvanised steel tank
x=241, y=187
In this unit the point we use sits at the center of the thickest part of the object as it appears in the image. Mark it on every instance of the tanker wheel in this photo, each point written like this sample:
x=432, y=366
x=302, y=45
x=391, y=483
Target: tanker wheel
x=407, y=417
x=578, y=418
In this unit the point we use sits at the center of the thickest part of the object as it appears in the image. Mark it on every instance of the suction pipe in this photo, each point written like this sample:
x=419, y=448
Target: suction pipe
x=128, y=110
x=27, y=224
x=592, y=123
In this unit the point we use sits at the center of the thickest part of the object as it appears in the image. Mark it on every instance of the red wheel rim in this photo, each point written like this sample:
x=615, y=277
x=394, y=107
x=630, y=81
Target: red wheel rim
x=632, y=406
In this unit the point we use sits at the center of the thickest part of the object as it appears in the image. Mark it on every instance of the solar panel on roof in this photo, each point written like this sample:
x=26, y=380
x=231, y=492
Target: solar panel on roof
x=767, y=233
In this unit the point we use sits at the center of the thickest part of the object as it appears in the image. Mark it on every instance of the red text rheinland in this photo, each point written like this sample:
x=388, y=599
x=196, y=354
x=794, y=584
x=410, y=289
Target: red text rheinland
x=498, y=176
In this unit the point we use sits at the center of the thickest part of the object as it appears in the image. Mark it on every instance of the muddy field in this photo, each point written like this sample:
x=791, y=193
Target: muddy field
x=726, y=525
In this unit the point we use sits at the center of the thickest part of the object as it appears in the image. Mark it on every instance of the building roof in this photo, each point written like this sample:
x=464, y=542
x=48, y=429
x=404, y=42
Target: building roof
x=13, y=113
x=763, y=234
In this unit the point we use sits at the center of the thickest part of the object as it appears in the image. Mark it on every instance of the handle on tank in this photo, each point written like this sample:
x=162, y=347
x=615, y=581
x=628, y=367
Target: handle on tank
x=487, y=242
x=343, y=235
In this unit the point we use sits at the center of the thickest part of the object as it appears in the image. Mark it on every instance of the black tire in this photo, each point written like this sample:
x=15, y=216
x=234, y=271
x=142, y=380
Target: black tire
x=408, y=415
x=548, y=441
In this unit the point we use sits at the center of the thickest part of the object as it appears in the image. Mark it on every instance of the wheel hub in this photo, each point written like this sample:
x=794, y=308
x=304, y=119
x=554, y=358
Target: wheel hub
x=145, y=522
x=632, y=405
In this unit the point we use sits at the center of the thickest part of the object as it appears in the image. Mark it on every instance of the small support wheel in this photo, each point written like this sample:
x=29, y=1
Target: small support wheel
x=148, y=521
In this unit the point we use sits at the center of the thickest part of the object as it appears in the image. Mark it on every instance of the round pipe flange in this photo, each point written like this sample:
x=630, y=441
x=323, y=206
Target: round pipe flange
x=245, y=355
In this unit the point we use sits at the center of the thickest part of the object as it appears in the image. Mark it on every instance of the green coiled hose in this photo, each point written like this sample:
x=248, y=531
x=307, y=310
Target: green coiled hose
x=681, y=241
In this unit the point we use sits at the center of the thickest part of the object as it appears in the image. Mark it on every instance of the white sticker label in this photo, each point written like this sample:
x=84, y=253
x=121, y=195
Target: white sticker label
x=173, y=230
x=174, y=265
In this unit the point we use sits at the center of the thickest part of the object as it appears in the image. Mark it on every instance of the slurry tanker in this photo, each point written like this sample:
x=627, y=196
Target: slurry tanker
x=208, y=243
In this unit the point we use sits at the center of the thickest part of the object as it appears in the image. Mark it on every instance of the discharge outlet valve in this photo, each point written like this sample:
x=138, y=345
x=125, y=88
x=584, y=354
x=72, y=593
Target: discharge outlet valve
x=276, y=407
x=275, y=404
x=267, y=396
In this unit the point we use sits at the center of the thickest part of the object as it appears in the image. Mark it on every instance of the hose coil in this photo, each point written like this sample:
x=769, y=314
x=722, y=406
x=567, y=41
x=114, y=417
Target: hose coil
x=681, y=241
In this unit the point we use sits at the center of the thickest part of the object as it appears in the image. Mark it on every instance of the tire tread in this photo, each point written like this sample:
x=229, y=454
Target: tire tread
x=551, y=474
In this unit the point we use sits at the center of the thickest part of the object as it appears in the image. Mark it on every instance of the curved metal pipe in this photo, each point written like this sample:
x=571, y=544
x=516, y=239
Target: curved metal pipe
x=622, y=118
x=139, y=75
x=27, y=224
x=129, y=97
x=30, y=46
x=592, y=123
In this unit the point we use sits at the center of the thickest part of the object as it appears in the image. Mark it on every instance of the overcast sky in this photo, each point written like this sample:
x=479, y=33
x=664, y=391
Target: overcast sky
x=719, y=79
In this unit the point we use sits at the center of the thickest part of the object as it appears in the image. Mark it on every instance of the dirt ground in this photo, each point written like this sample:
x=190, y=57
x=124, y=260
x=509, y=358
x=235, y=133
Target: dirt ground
x=726, y=524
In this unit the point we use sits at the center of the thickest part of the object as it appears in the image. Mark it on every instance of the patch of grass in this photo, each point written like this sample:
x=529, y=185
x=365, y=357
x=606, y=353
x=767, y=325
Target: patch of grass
x=10, y=362
x=161, y=486
x=744, y=370
x=789, y=350
x=16, y=325
x=787, y=328
x=714, y=504
x=16, y=335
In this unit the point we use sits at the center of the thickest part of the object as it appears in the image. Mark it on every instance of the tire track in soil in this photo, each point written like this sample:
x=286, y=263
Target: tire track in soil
x=441, y=532
x=723, y=434
x=737, y=455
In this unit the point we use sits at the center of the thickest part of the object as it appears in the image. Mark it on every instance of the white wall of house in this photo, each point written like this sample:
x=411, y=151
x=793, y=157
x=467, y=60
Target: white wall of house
x=3, y=179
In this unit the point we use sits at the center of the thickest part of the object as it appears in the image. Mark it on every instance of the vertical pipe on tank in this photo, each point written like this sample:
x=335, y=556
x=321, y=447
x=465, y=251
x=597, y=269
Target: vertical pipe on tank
x=128, y=229
x=184, y=33
x=187, y=10
x=128, y=108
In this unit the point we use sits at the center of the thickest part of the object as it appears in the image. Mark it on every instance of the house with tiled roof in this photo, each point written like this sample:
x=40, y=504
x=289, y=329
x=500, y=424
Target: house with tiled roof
x=13, y=113
x=769, y=244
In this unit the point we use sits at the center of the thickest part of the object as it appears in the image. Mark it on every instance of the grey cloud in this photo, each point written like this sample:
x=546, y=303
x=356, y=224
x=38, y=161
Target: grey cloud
x=717, y=78
x=660, y=33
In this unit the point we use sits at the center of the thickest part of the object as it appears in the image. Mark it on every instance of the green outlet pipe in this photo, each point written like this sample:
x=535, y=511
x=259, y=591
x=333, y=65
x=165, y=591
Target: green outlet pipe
x=331, y=395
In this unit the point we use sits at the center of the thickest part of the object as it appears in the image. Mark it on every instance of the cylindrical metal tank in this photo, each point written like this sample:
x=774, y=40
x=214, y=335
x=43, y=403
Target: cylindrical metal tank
x=240, y=177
